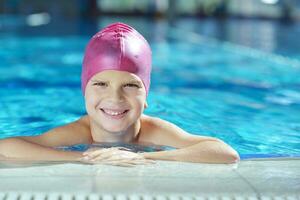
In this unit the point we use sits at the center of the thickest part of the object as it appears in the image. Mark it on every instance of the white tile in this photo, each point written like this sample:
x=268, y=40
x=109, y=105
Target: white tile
x=277, y=177
x=282, y=162
x=169, y=169
x=46, y=184
x=266, y=177
x=266, y=172
x=67, y=169
x=276, y=186
x=146, y=185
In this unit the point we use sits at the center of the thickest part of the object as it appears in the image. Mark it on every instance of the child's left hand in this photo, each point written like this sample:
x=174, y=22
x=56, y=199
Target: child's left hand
x=114, y=156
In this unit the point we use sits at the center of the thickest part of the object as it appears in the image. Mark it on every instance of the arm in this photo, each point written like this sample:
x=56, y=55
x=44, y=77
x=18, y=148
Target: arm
x=18, y=149
x=203, y=152
x=192, y=148
x=40, y=147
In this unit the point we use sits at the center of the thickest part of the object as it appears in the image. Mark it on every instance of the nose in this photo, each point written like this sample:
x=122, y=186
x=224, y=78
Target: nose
x=116, y=95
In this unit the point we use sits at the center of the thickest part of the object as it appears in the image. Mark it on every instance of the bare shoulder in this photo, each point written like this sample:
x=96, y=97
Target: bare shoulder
x=162, y=132
x=77, y=132
x=84, y=120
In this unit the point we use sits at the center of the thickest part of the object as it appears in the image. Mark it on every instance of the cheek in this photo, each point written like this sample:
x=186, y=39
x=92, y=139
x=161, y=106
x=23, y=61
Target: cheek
x=91, y=102
x=138, y=102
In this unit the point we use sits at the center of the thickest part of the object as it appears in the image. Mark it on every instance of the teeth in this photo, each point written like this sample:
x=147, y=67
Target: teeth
x=112, y=113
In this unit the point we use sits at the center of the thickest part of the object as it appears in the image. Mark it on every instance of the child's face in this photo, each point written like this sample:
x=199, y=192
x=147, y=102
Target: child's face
x=115, y=99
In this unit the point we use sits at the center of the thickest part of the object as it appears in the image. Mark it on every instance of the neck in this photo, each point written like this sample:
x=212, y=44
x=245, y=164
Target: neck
x=101, y=135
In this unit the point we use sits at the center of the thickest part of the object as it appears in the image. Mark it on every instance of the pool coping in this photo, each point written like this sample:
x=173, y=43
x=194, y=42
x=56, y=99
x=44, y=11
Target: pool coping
x=263, y=177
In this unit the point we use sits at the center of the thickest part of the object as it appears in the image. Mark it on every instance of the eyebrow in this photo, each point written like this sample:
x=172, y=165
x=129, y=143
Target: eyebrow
x=131, y=81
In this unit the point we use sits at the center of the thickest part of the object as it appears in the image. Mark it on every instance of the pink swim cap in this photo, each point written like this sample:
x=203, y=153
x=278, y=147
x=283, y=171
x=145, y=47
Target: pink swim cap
x=117, y=47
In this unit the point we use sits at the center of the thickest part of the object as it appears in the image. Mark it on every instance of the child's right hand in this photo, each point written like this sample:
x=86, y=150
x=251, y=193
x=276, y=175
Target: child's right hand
x=114, y=156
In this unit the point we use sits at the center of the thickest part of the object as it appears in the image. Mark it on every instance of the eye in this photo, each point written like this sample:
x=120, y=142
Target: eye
x=100, y=84
x=132, y=85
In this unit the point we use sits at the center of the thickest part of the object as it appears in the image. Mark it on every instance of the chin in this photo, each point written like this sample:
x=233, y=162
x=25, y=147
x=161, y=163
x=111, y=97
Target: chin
x=114, y=130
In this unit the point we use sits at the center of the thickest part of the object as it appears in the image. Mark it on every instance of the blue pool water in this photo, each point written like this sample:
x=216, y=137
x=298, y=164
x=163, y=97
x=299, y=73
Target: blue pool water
x=247, y=97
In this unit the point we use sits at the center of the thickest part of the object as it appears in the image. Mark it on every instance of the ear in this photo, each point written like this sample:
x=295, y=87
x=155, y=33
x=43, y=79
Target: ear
x=145, y=105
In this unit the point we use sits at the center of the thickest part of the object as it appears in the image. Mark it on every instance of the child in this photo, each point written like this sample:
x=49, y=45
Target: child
x=115, y=83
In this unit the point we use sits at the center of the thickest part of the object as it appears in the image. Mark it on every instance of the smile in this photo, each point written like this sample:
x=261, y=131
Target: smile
x=114, y=114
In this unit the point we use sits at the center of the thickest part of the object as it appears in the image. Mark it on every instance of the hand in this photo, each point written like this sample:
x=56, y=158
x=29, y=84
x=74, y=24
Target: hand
x=119, y=156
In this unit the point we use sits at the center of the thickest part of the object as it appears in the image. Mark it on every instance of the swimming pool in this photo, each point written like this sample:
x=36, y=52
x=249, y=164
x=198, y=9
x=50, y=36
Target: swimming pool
x=246, y=97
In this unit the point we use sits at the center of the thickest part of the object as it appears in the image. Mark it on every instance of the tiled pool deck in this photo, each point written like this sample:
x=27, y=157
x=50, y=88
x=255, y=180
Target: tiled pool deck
x=256, y=178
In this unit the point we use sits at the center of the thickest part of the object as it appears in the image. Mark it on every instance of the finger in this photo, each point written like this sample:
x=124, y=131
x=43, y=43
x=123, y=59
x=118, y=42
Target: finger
x=121, y=164
x=146, y=159
x=117, y=155
x=87, y=159
x=143, y=160
x=121, y=156
x=118, y=163
x=113, y=157
x=135, y=162
x=107, y=155
x=91, y=150
x=150, y=161
x=93, y=154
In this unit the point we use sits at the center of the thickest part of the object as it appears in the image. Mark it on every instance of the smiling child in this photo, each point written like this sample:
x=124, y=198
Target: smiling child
x=115, y=83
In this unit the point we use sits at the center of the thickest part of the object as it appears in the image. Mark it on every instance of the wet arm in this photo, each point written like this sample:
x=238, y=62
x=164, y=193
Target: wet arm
x=40, y=147
x=191, y=148
x=210, y=151
x=18, y=149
